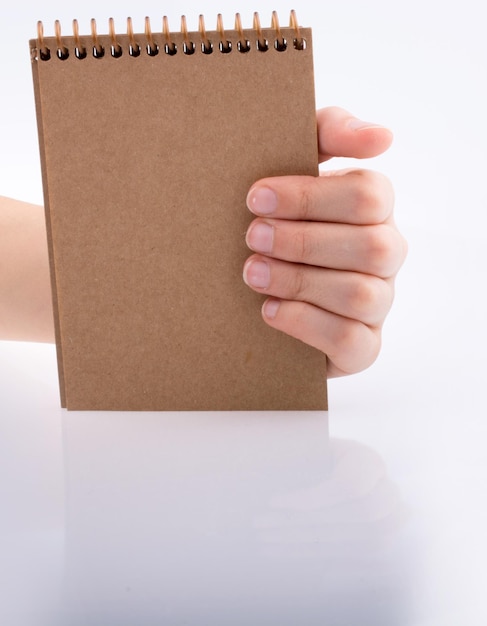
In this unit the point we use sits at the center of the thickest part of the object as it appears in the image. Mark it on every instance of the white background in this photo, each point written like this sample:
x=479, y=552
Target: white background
x=420, y=68
x=417, y=67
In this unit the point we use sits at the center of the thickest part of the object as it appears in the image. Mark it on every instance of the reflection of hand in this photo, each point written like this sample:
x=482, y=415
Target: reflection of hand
x=328, y=249
x=342, y=546
x=356, y=499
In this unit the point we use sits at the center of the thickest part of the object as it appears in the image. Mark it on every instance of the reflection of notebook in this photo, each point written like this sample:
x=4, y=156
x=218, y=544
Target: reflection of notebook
x=149, y=144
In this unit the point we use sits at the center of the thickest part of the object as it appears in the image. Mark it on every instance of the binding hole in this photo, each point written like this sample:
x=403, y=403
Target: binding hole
x=299, y=44
x=189, y=47
x=243, y=46
x=134, y=50
x=116, y=51
x=98, y=52
x=170, y=49
x=225, y=46
x=206, y=47
x=280, y=45
x=262, y=45
x=153, y=50
x=62, y=53
x=80, y=53
x=44, y=54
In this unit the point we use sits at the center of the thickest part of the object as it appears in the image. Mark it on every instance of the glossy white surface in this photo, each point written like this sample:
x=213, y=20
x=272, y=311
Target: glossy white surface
x=359, y=516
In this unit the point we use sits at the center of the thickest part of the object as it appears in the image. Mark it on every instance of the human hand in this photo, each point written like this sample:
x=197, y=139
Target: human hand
x=327, y=248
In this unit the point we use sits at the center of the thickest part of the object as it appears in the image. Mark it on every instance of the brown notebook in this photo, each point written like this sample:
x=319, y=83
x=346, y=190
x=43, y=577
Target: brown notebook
x=149, y=143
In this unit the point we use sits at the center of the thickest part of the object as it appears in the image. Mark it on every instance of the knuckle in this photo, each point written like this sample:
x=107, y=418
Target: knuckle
x=348, y=338
x=383, y=250
x=364, y=295
x=357, y=347
x=373, y=196
x=304, y=244
x=370, y=298
x=299, y=283
x=305, y=201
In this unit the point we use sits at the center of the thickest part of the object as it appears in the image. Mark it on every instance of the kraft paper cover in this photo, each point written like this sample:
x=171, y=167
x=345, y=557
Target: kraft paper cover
x=146, y=163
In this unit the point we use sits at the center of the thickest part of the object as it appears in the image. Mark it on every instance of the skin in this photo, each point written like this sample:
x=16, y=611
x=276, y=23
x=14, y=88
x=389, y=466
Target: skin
x=327, y=248
x=25, y=296
x=326, y=252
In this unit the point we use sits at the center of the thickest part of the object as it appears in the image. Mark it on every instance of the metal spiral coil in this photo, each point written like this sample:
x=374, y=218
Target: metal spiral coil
x=147, y=42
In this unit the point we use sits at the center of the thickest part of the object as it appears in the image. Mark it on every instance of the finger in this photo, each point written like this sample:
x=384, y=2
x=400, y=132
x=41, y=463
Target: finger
x=377, y=250
x=349, y=345
x=340, y=134
x=349, y=294
x=350, y=197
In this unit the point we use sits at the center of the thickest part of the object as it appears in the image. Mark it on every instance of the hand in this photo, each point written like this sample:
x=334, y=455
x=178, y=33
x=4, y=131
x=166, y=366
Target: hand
x=327, y=249
x=25, y=292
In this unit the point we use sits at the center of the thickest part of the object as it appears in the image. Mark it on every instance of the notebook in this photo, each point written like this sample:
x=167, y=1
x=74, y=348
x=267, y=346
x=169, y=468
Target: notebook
x=149, y=142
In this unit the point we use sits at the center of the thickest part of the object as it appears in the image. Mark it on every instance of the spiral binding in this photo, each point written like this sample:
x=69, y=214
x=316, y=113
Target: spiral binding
x=169, y=46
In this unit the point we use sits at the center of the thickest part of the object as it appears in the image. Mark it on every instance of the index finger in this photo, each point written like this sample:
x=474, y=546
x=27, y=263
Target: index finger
x=348, y=197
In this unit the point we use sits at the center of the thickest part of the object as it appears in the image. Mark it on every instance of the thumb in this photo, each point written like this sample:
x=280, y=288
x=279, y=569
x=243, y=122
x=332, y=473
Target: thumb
x=340, y=134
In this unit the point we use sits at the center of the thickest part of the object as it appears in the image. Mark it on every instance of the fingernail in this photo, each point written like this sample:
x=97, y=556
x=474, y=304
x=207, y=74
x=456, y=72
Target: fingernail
x=260, y=237
x=270, y=308
x=355, y=124
x=262, y=201
x=257, y=274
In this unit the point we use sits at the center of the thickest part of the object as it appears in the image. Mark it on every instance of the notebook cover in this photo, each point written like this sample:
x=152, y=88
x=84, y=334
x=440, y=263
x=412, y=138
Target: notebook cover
x=146, y=164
